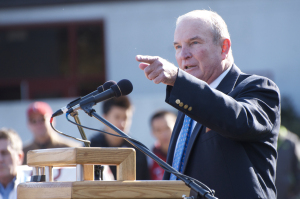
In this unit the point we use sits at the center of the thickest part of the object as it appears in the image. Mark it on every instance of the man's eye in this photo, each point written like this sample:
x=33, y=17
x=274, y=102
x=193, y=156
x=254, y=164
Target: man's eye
x=176, y=47
x=195, y=42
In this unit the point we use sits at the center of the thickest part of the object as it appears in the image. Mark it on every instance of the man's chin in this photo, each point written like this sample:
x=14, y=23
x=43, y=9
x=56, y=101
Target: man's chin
x=191, y=70
x=194, y=73
x=3, y=172
x=113, y=132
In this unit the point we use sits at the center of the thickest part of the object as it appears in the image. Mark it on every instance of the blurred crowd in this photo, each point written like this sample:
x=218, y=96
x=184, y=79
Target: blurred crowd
x=119, y=111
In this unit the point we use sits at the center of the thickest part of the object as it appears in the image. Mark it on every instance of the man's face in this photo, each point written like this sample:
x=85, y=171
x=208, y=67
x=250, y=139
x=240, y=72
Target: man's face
x=38, y=124
x=9, y=159
x=120, y=117
x=196, y=52
x=162, y=128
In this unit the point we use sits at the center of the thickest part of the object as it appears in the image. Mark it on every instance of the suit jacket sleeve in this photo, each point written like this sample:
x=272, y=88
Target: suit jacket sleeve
x=248, y=112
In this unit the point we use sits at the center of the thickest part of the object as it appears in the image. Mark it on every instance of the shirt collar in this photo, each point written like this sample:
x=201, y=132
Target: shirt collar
x=6, y=191
x=217, y=81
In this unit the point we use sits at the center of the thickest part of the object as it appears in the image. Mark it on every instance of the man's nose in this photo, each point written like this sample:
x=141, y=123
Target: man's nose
x=185, y=53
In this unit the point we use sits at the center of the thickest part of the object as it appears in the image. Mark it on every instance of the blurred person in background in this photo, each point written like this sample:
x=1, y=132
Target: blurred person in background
x=162, y=123
x=118, y=111
x=38, y=120
x=11, y=156
x=288, y=165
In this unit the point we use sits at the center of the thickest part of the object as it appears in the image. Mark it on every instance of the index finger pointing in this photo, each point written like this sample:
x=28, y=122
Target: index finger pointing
x=146, y=58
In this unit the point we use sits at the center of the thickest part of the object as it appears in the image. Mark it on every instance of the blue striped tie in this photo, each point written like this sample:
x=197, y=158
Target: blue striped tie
x=182, y=143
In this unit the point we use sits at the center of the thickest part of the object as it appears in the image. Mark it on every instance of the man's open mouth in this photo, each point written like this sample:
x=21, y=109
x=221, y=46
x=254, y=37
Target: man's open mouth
x=188, y=67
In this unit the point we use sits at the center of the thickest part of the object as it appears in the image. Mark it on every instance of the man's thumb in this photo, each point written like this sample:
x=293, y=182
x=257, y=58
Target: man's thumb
x=143, y=65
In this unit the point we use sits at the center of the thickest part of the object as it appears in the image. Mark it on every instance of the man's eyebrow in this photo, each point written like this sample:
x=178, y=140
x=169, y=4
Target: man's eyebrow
x=191, y=39
x=196, y=38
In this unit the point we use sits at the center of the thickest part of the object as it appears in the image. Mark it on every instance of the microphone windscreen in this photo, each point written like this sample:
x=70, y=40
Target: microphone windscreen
x=106, y=86
x=124, y=87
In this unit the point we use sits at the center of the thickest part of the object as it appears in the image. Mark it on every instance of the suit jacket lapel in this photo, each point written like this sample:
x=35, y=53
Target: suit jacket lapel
x=226, y=85
x=173, y=141
x=229, y=81
x=195, y=133
x=174, y=137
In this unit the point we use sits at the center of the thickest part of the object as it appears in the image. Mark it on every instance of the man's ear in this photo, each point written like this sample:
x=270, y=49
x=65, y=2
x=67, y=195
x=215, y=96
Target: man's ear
x=226, y=44
x=21, y=157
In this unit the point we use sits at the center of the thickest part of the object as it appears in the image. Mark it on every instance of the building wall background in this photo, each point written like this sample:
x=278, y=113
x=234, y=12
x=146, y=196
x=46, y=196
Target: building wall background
x=264, y=38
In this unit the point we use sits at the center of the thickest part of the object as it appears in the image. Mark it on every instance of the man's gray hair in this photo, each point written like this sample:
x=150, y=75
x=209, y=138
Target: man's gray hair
x=218, y=26
x=13, y=137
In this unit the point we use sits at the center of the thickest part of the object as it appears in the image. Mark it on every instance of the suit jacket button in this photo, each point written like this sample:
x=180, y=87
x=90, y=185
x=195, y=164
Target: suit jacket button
x=181, y=104
x=185, y=106
x=190, y=108
x=177, y=101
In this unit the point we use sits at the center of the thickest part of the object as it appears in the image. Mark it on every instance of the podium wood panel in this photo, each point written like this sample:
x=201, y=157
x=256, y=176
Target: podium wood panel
x=103, y=189
x=88, y=172
x=45, y=190
x=80, y=155
x=124, y=158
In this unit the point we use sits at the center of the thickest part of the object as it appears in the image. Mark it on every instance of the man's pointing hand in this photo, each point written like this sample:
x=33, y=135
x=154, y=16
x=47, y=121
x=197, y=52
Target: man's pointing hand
x=158, y=69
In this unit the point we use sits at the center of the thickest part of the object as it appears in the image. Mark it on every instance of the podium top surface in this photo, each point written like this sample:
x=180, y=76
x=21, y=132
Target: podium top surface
x=79, y=155
x=103, y=189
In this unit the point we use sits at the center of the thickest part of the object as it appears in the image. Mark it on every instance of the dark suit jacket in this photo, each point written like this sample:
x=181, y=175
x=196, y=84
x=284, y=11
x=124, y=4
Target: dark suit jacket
x=237, y=156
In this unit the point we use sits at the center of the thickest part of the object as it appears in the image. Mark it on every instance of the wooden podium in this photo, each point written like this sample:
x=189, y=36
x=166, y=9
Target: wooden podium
x=84, y=159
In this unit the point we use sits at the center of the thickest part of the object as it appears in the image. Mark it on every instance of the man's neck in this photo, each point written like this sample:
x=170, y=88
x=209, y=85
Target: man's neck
x=113, y=141
x=6, y=180
x=164, y=149
x=218, y=80
x=224, y=66
x=43, y=140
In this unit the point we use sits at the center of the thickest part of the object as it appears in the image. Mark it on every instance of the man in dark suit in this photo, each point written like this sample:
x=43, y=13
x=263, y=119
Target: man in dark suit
x=228, y=122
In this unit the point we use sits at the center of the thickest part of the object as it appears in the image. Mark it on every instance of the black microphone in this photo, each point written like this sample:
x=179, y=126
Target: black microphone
x=124, y=87
x=100, y=89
